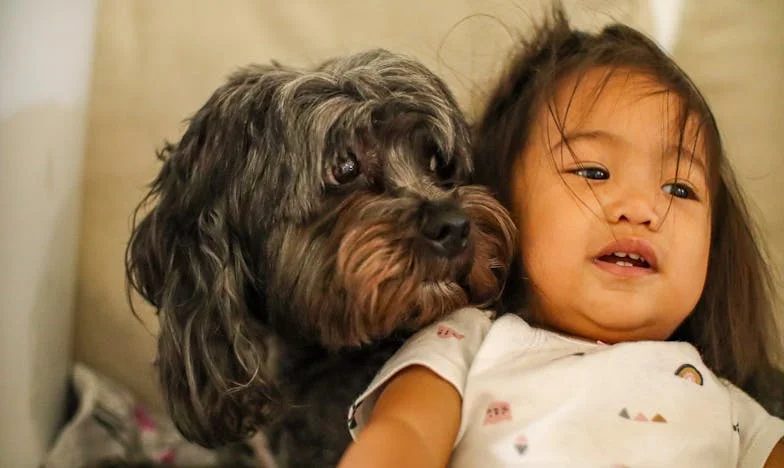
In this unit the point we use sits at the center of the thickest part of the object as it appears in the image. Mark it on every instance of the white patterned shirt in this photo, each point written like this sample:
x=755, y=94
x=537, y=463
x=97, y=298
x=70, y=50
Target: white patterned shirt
x=532, y=397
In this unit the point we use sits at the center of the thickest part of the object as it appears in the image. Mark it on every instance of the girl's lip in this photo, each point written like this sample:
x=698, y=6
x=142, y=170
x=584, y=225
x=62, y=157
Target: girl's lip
x=624, y=271
x=633, y=246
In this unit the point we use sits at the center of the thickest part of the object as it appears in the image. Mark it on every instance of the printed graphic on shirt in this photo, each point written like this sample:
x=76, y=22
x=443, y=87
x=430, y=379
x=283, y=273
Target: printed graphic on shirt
x=690, y=373
x=496, y=412
x=509, y=449
x=444, y=331
x=658, y=418
x=521, y=444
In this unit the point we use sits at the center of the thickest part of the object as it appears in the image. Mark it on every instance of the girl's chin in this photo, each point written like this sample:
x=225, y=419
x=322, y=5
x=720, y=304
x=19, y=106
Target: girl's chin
x=616, y=331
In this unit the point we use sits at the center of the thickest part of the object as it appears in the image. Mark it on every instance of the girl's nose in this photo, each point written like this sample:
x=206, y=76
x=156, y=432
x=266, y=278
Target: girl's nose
x=633, y=205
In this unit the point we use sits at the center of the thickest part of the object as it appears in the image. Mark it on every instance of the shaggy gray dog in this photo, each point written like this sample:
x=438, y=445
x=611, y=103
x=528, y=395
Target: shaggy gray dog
x=306, y=222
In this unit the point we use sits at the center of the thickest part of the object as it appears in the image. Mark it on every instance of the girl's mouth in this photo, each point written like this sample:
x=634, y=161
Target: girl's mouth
x=624, y=259
x=628, y=258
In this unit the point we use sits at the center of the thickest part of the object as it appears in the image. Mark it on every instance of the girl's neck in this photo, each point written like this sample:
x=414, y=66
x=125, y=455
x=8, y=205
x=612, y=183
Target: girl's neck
x=536, y=319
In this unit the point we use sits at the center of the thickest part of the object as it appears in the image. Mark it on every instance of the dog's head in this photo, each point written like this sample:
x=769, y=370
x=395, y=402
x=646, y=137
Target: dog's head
x=328, y=206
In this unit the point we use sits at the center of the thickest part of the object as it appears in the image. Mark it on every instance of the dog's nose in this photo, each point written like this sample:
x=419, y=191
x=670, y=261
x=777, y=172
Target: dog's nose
x=445, y=227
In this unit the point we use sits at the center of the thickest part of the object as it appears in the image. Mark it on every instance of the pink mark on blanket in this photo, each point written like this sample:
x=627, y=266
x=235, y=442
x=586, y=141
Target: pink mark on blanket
x=167, y=457
x=143, y=419
x=444, y=331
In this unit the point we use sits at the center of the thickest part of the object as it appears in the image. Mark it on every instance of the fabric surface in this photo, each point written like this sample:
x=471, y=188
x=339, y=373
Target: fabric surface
x=156, y=62
x=110, y=428
x=532, y=397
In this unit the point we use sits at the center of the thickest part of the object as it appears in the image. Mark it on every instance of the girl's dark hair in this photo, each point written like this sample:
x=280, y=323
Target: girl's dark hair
x=733, y=323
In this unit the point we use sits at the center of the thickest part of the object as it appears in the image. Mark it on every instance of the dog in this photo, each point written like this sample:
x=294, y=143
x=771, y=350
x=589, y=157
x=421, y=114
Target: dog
x=306, y=223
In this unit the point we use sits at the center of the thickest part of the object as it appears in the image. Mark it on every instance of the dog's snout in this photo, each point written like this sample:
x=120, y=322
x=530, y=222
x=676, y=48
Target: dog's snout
x=445, y=227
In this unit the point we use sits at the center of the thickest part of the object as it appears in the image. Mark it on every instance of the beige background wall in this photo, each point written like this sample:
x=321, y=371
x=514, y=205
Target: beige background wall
x=44, y=86
x=156, y=62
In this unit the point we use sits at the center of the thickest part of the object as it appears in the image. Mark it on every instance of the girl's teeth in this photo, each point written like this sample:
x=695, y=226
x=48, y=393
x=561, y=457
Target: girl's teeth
x=634, y=256
x=624, y=264
x=620, y=254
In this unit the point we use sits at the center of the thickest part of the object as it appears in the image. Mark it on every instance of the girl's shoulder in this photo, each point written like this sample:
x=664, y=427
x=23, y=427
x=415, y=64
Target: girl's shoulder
x=514, y=331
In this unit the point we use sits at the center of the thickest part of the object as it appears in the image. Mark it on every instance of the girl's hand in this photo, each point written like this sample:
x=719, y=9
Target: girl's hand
x=414, y=424
x=776, y=457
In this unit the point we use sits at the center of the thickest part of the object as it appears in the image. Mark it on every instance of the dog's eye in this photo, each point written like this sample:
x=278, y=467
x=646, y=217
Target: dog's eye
x=435, y=162
x=438, y=166
x=345, y=169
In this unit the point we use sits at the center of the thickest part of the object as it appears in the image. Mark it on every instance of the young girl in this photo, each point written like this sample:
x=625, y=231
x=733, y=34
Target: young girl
x=643, y=302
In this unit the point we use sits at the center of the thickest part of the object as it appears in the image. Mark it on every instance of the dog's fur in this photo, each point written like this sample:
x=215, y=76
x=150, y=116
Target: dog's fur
x=289, y=245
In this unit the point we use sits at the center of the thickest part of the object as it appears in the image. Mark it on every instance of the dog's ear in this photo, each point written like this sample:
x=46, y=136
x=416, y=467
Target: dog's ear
x=189, y=256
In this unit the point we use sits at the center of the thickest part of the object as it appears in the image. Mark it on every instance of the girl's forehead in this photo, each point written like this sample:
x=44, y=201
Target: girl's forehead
x=602, y=90
x=610, y=99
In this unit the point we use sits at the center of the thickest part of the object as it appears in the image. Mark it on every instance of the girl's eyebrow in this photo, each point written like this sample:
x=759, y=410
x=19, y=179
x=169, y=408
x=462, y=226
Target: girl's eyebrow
x=571, y=137
x=672, y=152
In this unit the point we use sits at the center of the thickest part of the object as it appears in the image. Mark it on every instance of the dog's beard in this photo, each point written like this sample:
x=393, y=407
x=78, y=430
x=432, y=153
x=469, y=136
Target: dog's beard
x=363, y=270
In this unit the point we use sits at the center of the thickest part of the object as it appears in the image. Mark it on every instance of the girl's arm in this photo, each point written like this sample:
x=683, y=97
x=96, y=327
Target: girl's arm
x=414, y=424
x=776, y=458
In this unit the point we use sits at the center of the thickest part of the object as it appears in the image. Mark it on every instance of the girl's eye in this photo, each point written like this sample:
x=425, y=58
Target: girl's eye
x=593, y=173
x=679, y=190
x=345, y=169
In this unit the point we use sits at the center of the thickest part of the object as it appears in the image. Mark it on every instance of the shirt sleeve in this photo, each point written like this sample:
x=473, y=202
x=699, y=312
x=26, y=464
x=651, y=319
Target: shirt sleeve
x=757, y=430
x=446, y=347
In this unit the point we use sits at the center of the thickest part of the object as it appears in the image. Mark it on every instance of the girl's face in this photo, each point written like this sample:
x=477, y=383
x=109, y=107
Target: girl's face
x=614, y=247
